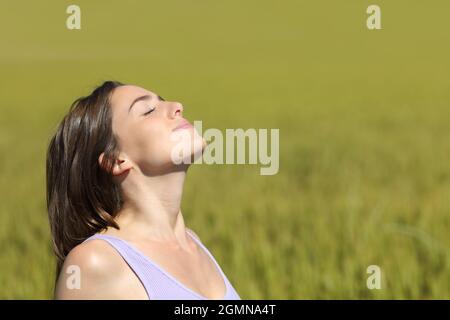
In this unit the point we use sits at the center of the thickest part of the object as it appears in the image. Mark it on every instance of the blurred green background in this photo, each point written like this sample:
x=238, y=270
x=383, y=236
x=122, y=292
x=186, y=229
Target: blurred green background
x=363, y=115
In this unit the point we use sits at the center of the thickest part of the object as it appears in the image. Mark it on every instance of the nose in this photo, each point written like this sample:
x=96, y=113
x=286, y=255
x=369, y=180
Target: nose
x=177, y=109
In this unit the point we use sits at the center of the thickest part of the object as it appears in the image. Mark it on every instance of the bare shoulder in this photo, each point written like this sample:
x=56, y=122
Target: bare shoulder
x=193, y=233
x=92, y=270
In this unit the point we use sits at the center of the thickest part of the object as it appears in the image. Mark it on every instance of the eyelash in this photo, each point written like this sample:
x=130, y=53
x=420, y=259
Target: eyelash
x=149, y=111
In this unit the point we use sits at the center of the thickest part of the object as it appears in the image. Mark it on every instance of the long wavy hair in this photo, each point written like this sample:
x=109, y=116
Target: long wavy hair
x=82, y=197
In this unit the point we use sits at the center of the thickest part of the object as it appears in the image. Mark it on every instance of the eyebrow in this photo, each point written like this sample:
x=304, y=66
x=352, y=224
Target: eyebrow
x=141, y=98
x=144, y=97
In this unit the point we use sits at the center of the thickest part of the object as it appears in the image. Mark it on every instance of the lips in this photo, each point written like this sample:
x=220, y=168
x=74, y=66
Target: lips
x=184, y=124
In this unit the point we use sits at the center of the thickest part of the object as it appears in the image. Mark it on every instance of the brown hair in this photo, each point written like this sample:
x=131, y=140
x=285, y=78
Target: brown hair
x=82, y=197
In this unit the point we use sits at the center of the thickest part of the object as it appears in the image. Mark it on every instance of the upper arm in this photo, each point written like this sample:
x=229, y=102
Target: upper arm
x=90, y=271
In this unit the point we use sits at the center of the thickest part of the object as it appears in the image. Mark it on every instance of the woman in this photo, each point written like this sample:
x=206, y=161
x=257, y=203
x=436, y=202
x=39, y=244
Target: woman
x=113, y=197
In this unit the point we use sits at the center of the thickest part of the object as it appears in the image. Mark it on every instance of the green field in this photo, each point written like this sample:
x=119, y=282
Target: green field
x=363, y=115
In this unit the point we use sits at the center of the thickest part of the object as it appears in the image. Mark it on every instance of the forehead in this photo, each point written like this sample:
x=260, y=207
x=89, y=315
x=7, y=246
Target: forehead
x=122, y=96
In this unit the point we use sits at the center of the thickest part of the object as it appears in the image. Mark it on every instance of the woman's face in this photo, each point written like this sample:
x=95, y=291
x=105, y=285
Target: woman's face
x=145, y=126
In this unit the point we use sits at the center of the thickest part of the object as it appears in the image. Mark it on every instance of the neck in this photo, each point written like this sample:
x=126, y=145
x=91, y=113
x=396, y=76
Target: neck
x=151, y=206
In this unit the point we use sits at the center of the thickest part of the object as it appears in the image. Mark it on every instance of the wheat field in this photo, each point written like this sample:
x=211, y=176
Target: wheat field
x=364, y=176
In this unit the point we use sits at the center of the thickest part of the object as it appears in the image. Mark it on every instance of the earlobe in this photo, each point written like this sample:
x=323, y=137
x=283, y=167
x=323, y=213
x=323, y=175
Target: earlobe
x=120, y=166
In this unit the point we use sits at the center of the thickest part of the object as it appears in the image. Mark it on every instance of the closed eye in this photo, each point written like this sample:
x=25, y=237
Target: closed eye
x=149, y=111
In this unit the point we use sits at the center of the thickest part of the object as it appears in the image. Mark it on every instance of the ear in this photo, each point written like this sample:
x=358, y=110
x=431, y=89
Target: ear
x=121, y=165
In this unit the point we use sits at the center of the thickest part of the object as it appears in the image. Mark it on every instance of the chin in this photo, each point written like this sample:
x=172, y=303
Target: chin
x=188, y=146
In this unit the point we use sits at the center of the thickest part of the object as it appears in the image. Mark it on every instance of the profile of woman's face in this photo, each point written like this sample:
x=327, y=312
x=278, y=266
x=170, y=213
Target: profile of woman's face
x=149, y=129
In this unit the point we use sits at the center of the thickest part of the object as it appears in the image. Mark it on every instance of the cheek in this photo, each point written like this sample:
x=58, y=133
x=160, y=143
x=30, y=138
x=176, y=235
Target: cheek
x=152, y=136
x=152, y=145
